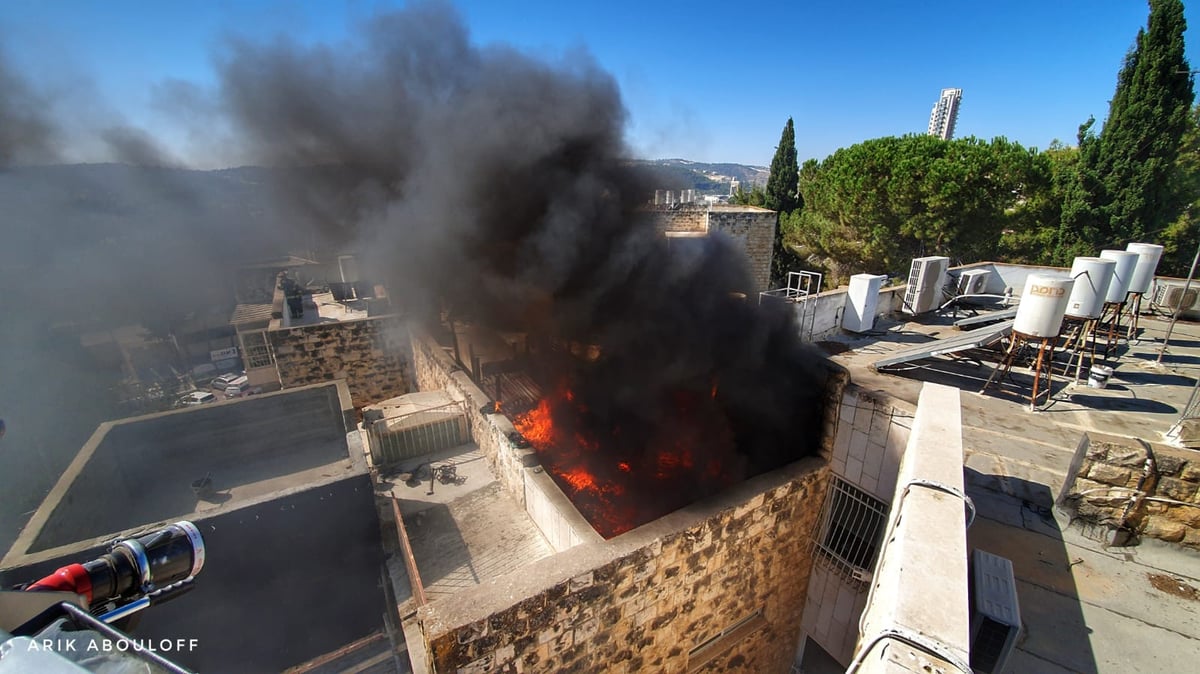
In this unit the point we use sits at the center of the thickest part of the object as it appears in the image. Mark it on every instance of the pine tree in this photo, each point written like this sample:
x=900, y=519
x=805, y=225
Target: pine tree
x=783, y=195
x=1132, y=177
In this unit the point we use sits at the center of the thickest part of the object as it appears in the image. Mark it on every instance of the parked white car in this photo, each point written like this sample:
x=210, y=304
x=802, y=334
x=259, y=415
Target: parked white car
x=221, y=383
x=197, y=398
x=240, y=388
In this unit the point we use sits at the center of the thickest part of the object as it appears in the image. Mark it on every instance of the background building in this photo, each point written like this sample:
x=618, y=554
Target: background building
x=945, y=114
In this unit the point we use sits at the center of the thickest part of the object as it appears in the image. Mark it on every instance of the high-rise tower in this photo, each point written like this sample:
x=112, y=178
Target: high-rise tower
x=945, y=114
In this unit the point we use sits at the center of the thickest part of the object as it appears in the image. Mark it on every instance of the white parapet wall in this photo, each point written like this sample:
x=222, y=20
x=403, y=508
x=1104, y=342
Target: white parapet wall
x=917, y=614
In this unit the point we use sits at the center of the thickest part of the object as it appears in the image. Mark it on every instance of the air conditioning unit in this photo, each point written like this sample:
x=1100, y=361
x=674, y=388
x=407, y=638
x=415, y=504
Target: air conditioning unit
x=995, y=615
x=1170, y=295
x=862, y=300
x=925, y=281
x=973, y=281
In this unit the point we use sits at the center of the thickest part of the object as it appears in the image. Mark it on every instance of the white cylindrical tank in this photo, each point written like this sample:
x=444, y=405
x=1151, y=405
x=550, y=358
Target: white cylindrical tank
x=1043, y=304
x=1143, y=275
x=1122, y=274
x=1092, y=277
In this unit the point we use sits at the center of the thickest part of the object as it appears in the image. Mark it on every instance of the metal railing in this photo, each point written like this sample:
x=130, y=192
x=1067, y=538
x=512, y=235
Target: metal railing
x=800, y=287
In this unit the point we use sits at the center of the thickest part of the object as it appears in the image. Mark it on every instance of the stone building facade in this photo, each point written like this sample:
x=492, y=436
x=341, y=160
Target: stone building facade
x=752, y=227
x=372, y=354
x=718, y=586
x=1146, y=490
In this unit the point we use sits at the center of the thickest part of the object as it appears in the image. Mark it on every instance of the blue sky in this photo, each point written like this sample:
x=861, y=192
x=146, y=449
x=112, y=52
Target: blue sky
x=708, y=81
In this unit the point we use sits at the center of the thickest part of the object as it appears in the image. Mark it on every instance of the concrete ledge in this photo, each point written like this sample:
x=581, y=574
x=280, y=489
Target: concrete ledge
x=921, y=585
x=554, y=514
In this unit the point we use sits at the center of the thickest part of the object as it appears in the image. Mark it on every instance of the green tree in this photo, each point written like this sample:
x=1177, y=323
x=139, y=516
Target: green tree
x=783, y=196
x=873, y=206
x=783, y=182
x=1129, y=177
x=1183, y=235
x=1027, y=238
x=755, y=196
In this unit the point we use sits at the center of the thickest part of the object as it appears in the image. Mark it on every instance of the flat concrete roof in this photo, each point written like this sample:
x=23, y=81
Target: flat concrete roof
x=322, y=308
x=1085, y=607
x=463, y=533
x=139, y=471
x=292, y=534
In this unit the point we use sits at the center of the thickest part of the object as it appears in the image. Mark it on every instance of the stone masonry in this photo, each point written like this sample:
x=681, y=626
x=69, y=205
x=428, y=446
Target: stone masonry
x=753, y=228
x=717, y=586
x=1148, y=490
x=680, y=219
x=433, y=370
x=371, y=354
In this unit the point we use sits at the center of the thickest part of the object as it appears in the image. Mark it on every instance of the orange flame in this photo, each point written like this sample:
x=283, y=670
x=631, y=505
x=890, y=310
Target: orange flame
x=616, y=490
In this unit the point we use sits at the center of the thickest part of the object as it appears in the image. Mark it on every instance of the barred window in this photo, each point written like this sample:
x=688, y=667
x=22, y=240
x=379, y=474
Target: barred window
x=258, y=354
x=852, y=527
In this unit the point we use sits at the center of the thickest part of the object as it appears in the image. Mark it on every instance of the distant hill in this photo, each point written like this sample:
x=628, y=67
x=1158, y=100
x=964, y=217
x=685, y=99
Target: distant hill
x=676, y=174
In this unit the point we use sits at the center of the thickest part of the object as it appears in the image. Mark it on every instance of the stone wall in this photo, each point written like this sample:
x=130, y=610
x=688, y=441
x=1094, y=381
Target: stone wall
x=872, y=431
x=682, y=219
x=371, y=354
x=1116, y=487
x=721, y=582
x=754, y=228
x=518, y=470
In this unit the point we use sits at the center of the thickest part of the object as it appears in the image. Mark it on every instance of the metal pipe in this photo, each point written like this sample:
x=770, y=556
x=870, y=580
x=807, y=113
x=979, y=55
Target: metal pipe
x=1179, y=308
x=410, y=561
x=1188, y=409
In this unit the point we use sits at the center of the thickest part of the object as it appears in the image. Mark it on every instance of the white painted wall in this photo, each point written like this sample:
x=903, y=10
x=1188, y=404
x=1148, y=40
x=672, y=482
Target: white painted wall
x=870, y=438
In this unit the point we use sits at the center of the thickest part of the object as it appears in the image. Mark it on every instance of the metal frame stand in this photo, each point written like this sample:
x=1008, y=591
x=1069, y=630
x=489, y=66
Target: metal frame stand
x=1134, y=301
x=1015, y=345
x=1081, y=341
x=1111, y=319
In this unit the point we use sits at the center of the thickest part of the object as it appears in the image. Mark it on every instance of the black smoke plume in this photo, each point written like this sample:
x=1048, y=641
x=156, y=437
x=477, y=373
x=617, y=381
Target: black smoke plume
x=27, y=133
x=494, y=185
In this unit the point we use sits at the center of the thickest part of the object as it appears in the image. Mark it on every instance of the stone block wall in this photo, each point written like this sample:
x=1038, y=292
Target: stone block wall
x=435, y=370
x=518, y=470
x=681, y=219
x=1115, y=487
x=721, y=582
x=755, y=229
x=872, y=432
x=372, y=354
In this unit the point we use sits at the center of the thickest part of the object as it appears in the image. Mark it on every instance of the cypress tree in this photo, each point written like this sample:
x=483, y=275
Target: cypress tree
x=784, y=182
x=1136, y=187
x=783, y=195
